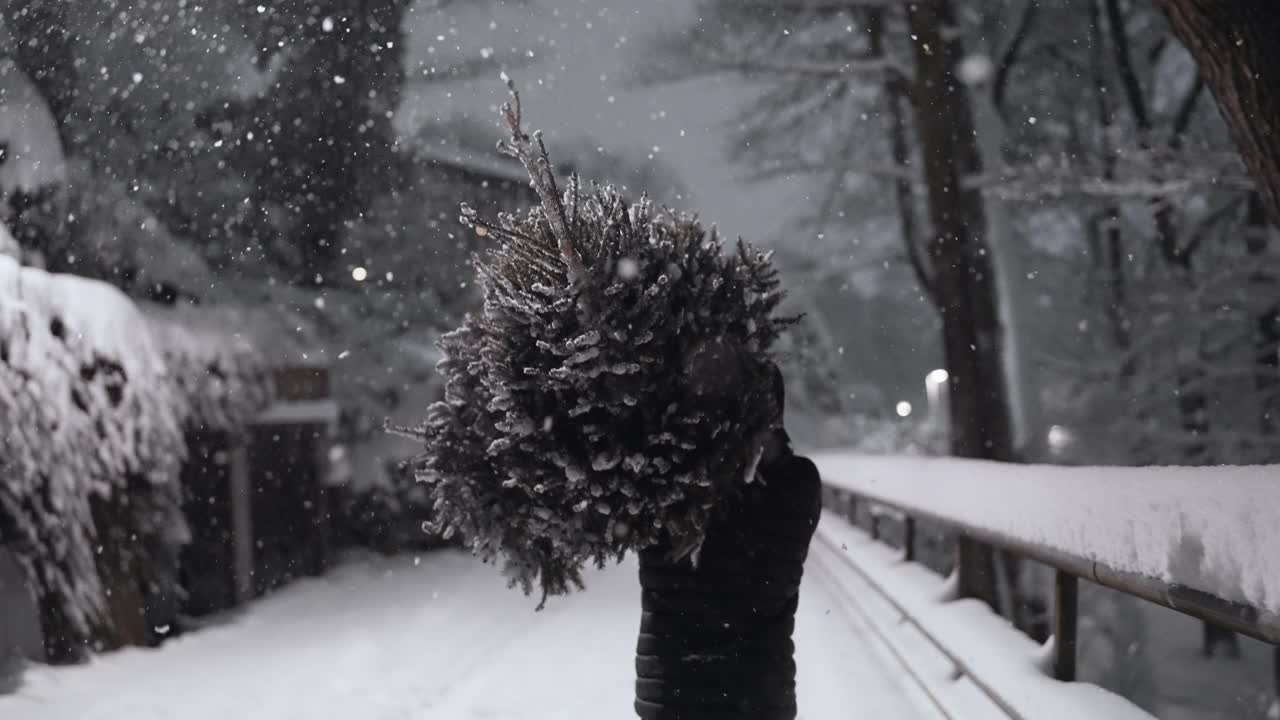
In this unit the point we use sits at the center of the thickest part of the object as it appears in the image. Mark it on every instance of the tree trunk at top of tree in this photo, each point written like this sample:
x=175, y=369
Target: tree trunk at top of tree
x=1235, y=44
x=964, y=282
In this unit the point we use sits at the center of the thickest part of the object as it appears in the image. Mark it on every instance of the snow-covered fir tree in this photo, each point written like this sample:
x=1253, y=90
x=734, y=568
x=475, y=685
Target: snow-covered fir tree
x=613, y=389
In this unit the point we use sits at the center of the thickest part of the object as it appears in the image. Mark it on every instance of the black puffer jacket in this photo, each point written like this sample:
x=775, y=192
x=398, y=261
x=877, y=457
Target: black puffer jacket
x=715, y=640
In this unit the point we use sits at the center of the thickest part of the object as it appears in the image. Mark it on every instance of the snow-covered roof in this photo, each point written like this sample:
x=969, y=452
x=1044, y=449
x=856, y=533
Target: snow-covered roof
x=34, y=154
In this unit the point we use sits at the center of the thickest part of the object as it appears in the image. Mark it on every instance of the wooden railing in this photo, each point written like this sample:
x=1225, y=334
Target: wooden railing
x=1220, y=529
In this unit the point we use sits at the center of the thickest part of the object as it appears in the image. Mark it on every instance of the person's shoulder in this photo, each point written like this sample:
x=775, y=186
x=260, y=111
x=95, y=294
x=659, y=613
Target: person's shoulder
x=792, y=476
x=797, y=468
x=793, y=490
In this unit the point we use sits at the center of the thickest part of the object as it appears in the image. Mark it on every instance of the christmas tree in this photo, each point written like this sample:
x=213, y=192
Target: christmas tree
x=614, y=389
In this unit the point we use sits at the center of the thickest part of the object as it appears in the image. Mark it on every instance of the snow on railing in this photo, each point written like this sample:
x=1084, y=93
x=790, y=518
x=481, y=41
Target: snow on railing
x=1202, y=541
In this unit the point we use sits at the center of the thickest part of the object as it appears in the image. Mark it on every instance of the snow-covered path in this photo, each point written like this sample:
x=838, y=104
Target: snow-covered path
x=442, y=639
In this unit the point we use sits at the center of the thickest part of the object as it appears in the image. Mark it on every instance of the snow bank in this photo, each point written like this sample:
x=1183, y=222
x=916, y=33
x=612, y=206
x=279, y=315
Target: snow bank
x=1212, y=529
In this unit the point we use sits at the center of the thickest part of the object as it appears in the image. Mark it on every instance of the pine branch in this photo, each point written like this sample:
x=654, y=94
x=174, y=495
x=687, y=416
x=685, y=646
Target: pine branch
x=572, y=431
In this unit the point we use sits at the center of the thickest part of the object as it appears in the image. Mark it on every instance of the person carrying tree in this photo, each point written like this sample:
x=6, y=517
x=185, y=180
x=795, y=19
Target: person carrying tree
x=616, y=393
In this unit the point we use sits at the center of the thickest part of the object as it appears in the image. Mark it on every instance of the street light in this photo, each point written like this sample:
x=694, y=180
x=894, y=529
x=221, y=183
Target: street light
x=935, y=390
x=903, y=408
x=934, y=384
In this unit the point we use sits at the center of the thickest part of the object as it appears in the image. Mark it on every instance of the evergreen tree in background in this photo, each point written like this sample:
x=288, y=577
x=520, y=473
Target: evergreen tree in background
x=614, y=389
x=317, y=143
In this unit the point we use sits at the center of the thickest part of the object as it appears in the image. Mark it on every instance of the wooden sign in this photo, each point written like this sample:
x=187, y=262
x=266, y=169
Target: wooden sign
x=301, y=383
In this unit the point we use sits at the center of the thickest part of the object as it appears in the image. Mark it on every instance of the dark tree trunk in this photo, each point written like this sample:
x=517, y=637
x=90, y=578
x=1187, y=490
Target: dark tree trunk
x=63, y=645
x=1266, y=349
x=1266, y=337
x=964, y=279
x=125, y=620
x=1234, y=42
x=1109, y=244
x=339, y=90
x=897, y=98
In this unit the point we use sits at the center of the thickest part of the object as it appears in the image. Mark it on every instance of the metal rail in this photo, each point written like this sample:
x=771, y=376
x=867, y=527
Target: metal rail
x=935, y=698
x=1245, y=619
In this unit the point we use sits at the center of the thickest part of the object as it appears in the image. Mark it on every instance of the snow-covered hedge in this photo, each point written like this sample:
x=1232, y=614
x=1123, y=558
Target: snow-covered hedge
x=95, y=395
x=85, y=404
x=221, y=380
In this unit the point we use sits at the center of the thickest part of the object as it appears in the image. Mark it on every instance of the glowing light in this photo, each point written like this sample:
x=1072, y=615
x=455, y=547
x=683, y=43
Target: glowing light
x=937, y=377
x=975, y=69
x=359, y=274
x=1059, y=438
x=903, y=408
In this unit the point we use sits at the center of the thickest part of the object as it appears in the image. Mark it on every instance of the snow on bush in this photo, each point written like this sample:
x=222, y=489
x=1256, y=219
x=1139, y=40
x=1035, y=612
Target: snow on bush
x=611, y=391
x=219, y=376
x=85, y=405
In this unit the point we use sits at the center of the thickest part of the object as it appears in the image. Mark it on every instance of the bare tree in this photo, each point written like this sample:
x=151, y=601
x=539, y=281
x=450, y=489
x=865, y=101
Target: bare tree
x=1234, y=42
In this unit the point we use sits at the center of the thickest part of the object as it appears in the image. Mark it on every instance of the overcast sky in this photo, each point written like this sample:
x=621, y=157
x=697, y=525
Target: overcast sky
x=575, y=88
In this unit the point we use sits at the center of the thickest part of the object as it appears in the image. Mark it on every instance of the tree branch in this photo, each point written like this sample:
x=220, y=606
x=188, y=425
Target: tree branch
x=1197, y=235
x=543, y=179
x=1009, y=57
x=817, y=6
x=1234, y=43
x=748, y=66
x=1124, y=65
x=772, y=171
x=1186, y=109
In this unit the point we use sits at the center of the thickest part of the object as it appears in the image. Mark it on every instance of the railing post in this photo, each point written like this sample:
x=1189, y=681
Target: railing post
x=1066, y=603
x=909, y=538
x=1275, y=669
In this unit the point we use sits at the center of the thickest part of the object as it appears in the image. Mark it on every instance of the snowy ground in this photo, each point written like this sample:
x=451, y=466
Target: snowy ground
x=1190, y=687
x=441, y=639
